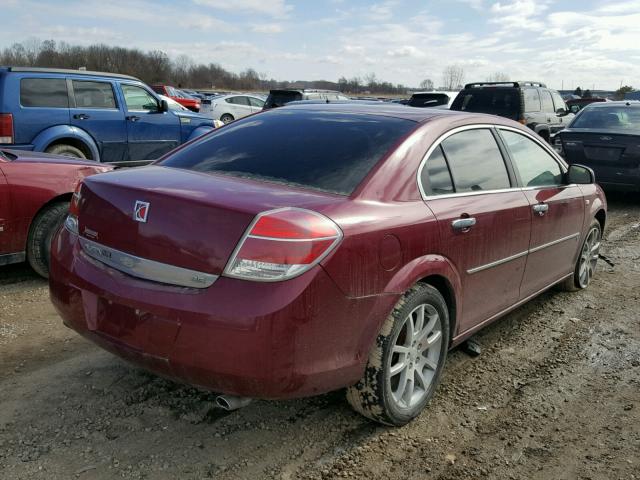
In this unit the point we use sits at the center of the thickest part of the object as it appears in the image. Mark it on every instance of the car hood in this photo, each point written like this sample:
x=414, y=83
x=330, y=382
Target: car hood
x=40, y=157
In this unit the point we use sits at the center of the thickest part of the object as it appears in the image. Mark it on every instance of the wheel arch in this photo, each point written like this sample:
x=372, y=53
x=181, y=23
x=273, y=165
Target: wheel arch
x=67, y=134
x=601, y=216
x=64, y=197
x=443, y=285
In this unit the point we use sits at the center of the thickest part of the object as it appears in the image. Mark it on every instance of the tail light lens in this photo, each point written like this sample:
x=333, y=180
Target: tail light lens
x=282, y=244
x=6, y=128
x=71, y=222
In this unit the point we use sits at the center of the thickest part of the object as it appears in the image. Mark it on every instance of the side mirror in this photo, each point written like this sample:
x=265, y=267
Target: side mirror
x=164, y=106
x=561, y=111
x=580, y=175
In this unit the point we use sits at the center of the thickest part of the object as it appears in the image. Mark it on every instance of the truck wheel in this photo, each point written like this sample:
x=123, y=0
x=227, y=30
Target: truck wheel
x=226, y=118
x=42, y=229
x=406, y=362
x=65, y=150
x=586, y=263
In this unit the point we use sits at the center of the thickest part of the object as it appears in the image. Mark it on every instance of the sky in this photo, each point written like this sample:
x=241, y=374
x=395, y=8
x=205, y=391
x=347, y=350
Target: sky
x=565, y=43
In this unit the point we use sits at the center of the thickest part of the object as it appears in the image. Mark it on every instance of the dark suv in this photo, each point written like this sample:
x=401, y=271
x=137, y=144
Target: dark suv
x=279, y=98
x=530, y=103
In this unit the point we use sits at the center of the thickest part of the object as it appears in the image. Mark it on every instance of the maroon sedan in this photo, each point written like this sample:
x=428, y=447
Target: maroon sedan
x=35, y=189
x=315, y=247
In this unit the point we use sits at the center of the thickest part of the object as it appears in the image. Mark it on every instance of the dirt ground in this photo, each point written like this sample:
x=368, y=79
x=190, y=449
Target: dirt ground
x=555, y=394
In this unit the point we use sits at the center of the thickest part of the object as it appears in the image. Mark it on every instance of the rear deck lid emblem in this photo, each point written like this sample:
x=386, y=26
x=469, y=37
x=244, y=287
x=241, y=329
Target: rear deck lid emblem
x=141, y=211
x=605, y=138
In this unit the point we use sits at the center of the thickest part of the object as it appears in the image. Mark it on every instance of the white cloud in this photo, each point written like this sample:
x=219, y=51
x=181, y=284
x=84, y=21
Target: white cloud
x=267, y=28
x=273, y=8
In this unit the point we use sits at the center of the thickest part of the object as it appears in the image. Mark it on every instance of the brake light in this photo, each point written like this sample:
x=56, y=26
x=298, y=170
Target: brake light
x=6, y=128
x=282, y=244
x=71, y=222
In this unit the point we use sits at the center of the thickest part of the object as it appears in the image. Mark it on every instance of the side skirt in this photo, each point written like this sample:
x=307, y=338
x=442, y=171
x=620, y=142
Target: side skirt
x=10, y=258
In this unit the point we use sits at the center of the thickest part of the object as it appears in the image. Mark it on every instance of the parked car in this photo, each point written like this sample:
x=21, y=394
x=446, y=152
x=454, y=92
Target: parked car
x=606, y=137
x=577, y=104
x=530, y=103
x=98, y=116
x=35, y=189
x=182, y=98
x=317, y=247
x=279, y=98
x=432, y=99
x=228, y=108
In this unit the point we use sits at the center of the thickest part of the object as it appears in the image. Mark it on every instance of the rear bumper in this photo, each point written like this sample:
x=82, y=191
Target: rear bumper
x=17, y=146
x=266, y=340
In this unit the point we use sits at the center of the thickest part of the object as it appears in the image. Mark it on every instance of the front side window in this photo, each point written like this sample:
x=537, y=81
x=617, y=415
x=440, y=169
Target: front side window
x=537, y=168
x=558, y=101
x=138, y=98
x=475, y=161
x=93, y=94
x=256, y=102
x=435, y=176
x=44, y=92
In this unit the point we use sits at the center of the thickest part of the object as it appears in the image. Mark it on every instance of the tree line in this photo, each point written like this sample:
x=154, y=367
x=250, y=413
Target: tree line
x=156, y=66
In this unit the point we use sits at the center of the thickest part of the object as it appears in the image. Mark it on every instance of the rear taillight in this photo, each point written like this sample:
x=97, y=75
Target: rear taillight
x=557, y=145
x=6, y=128
x=71, y=222
x=282, y=244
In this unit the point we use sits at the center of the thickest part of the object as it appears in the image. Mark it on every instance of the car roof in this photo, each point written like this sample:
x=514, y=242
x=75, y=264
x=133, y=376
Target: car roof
x=67, y=71
x=302, y=90
x=385, y=109
x=619, y=103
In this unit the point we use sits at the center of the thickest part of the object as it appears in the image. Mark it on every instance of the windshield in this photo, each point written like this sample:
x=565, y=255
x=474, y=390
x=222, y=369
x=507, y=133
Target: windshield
x=497, y=101
x=328, y=151
x=281, y=98
x=625, y=119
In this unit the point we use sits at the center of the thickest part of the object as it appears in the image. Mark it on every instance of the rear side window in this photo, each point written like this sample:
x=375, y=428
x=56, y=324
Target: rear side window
x=320, y=150
x=547, y=103
x=497, y=101
x=238, y=101
x=531, y=100
x=93, y=94
x=475, y=161
x=435, y=176
x=44, y=92
x=536, y=166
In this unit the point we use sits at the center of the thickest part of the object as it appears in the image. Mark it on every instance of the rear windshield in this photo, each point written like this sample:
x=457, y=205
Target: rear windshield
x=278, y=99
x=496, y=101
x=428, y=99
x=327, y=151
x=609, y=118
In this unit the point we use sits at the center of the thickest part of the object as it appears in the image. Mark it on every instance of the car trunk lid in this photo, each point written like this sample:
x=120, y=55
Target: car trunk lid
x=189, y=220
x=601, y=148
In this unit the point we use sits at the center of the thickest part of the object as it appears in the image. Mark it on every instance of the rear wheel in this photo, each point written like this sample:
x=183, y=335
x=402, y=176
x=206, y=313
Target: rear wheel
x=586, y=265
x=41, y=232
x=65, y=150
x=405, y=365
x=226, y=118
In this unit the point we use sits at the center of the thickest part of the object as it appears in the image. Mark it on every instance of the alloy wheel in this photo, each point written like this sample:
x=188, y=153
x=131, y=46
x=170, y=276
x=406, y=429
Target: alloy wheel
x=589, y=257
x=414, y=356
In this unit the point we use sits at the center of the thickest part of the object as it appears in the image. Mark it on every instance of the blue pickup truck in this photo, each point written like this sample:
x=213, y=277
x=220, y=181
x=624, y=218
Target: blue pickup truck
x=98, y=116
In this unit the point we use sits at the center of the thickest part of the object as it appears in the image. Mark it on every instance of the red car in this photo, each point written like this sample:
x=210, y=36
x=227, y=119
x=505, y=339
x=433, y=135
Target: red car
x=182, y=98
x=315, y=247
x=35, y=189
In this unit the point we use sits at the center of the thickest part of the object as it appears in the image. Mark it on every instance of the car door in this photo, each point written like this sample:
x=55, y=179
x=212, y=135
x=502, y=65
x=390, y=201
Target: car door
x=5, y=214
x=557, y=211
x=150, y=132
x=484, y=220
x=240, y=106
x=256, y=104
x=94, y=109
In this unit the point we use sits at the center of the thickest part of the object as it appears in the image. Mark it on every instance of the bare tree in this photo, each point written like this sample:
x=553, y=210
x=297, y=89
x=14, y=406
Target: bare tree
x=426, y=84
x=452, y=77
x=498, y=77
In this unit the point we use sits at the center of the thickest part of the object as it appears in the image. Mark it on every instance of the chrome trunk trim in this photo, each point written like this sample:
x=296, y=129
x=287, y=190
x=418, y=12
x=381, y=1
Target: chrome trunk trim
x=147, y=269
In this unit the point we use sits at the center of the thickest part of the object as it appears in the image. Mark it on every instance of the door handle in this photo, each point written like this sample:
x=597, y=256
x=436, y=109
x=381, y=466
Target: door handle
x=81, y=116
x=133, y=118
x=463, y=224
x=541, y=208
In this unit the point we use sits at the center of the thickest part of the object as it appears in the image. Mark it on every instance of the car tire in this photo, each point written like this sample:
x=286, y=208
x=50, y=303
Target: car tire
x=227, y=118
x=41, y=232
x=587, y=259
x=66, y=151
x=401, y=357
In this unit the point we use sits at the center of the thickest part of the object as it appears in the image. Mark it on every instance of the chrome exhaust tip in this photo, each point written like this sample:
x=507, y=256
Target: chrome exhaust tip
x=231, y=402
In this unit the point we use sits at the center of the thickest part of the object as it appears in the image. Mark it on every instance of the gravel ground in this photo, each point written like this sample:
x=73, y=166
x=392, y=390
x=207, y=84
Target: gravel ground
x=554, y=395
